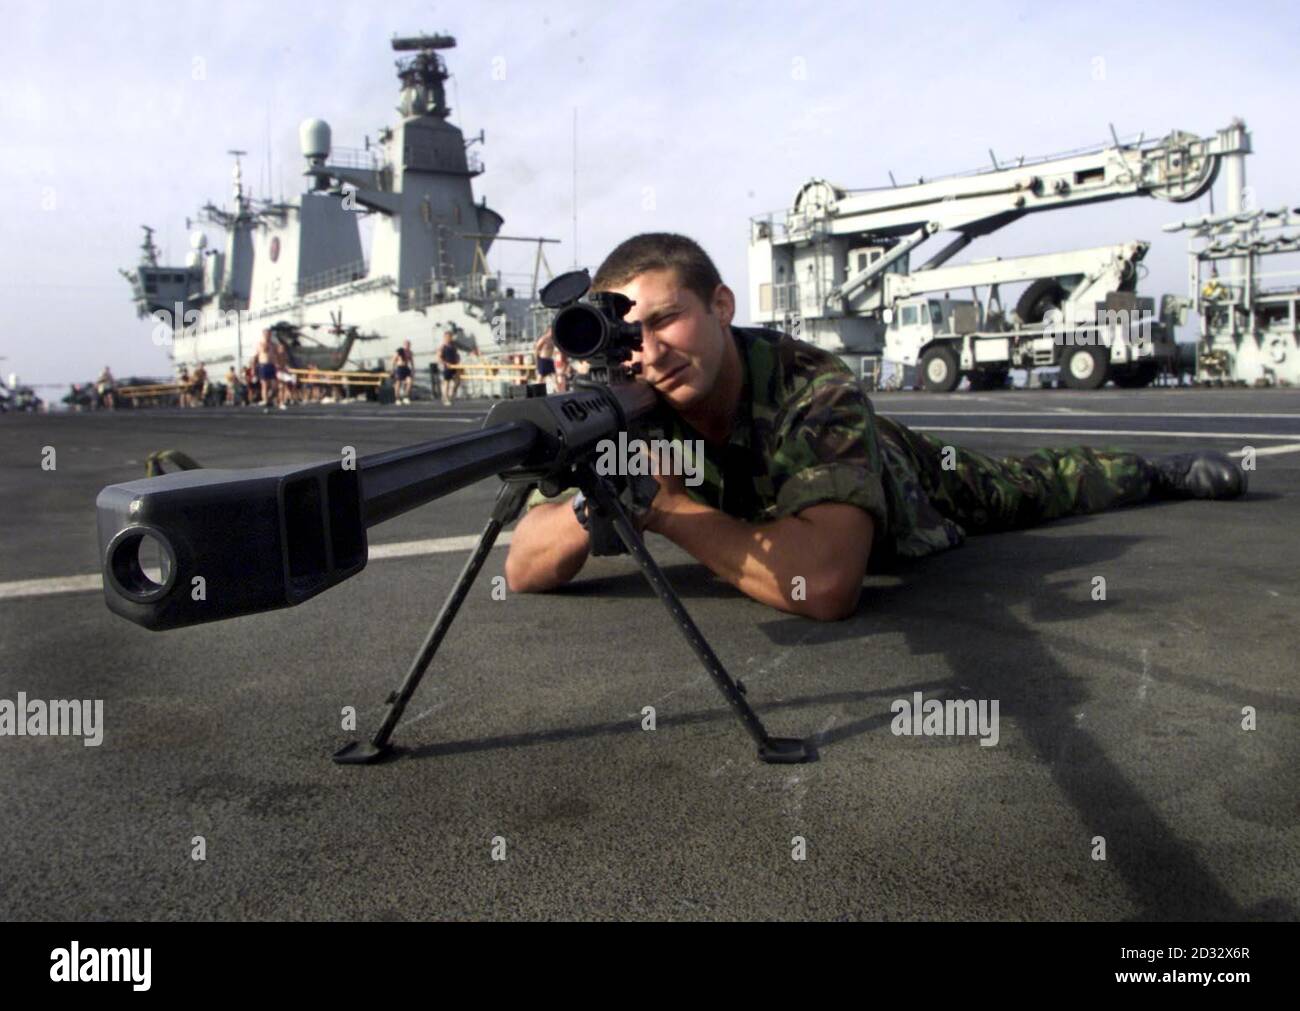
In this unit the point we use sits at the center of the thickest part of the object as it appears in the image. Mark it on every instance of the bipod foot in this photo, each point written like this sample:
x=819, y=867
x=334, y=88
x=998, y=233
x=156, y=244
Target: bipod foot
x=365, y=753
x=786, y=751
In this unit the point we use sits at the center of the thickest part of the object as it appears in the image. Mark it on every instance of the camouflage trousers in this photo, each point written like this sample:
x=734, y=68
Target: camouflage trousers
x=939, y=492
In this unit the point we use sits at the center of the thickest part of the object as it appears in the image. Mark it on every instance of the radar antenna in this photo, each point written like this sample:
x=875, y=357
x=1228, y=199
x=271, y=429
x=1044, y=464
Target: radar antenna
x=422, y=75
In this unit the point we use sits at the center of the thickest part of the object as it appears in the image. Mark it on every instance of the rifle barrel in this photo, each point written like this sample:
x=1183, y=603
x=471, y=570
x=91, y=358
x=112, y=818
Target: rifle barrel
x=402, y=479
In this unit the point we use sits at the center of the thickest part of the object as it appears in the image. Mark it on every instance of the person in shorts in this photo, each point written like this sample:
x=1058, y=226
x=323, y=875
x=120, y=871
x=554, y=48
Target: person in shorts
x=286, y=381
x=199, y=387
x=544, y=351
x=264, y=361
x=403, y=369
x=449, y=356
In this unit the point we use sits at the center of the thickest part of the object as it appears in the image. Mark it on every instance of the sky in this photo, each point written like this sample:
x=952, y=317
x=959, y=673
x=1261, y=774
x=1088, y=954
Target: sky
x=691, y=117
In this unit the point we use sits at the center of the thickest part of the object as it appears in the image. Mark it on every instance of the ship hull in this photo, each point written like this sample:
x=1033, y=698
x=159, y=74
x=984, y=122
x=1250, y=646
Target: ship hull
x=383, y=328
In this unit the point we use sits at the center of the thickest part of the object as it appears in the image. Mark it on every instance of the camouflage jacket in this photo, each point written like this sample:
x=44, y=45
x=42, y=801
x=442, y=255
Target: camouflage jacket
x=806, y=433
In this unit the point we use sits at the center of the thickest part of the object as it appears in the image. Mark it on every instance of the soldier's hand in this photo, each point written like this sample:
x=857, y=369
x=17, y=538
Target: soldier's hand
x=671, y=487
x=672, y=490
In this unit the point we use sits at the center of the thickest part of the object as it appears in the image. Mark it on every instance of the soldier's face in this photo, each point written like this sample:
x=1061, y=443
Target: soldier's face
x=682, y=339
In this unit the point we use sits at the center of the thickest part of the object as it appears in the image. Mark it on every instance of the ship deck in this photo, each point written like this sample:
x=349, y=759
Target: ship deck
x=1120, y=719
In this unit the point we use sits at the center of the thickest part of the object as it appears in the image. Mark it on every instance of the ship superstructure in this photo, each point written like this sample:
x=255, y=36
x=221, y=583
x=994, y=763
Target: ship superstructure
x=300, y=263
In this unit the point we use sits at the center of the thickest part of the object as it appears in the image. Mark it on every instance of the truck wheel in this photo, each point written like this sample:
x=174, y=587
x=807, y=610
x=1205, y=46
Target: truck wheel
x=1043, y=295
x=1135, y=377
x=1085, y=368
x=939, y=373
x=993, y=379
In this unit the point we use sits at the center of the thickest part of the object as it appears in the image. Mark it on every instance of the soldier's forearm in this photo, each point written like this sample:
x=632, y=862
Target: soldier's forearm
x=548, y=548
x=785, y=564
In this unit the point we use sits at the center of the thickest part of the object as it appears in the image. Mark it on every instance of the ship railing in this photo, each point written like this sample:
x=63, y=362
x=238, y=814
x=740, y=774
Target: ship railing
x=771, y=225
x=435, y=292
x=474, y=162
x=474, y=287
x=354, y=158
x=332, y=278
x=520, y=282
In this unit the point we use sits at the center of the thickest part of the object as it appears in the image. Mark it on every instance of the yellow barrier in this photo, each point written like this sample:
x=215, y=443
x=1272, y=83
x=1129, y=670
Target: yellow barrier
x=491, y=371
x=322, y=377
x=151, y=390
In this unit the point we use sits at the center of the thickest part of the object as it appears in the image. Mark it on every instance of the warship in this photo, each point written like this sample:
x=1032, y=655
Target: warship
x=297, y=267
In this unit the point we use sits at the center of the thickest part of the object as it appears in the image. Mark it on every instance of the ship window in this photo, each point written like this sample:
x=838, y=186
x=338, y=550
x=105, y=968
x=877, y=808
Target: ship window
x=936, y=313
x=909, y=315
x=178, y=278
x=862, y=261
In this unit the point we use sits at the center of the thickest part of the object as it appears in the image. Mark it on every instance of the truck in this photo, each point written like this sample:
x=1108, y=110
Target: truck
x=1059, y=321
x=836, y=269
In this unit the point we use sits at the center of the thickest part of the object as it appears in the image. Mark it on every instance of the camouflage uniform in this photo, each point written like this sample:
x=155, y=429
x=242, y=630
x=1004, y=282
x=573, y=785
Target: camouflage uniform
x=806, y=433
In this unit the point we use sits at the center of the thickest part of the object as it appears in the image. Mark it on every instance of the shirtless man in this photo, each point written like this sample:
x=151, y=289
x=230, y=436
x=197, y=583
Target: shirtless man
x=544, y=351
x=403, y=369
x=264, y=361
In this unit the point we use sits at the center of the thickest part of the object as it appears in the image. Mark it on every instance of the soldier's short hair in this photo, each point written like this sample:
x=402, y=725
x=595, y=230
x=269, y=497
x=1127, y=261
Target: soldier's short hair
x=660, y=251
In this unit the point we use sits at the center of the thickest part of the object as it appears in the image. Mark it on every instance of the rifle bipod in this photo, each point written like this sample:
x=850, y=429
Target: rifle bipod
x=510, y=501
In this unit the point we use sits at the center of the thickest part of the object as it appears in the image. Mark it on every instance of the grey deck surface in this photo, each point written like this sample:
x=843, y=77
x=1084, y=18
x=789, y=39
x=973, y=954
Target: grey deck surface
x=1119, y=718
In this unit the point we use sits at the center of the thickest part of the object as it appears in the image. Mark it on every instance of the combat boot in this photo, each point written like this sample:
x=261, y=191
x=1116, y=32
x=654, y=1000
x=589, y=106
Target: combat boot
x=1205, y=473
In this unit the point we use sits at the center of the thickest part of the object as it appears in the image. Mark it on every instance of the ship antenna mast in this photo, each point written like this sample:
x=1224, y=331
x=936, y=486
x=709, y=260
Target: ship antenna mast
x=239, y=180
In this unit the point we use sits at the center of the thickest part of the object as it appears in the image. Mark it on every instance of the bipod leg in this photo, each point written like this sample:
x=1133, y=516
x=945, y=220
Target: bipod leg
x=510, y=500
x=774, y=750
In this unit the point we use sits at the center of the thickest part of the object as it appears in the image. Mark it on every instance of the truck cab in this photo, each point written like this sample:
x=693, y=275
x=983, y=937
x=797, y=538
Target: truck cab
x=939, y=337
x=914, y=323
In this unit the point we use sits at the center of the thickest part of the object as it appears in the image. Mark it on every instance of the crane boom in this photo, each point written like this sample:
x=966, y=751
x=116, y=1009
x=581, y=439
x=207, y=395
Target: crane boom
x=1178, y=168
x=838, y=258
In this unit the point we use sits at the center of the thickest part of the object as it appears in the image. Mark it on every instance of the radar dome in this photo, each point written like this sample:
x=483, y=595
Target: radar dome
x=198, y=241
x=314, y=139
x=193, y=258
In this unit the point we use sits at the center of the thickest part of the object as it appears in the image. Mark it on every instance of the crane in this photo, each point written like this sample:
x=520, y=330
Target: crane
x=838, y=263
